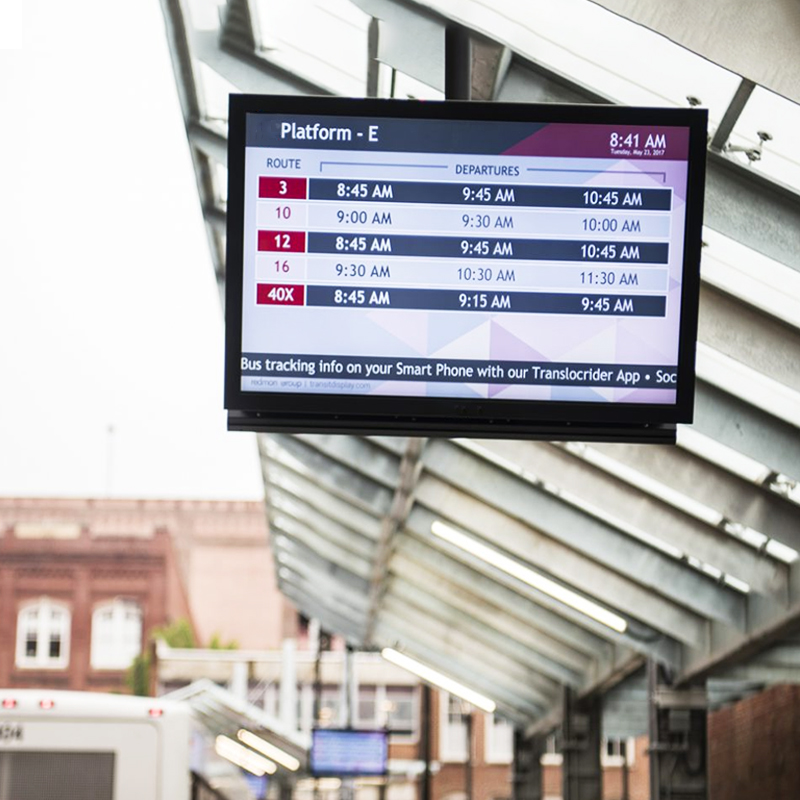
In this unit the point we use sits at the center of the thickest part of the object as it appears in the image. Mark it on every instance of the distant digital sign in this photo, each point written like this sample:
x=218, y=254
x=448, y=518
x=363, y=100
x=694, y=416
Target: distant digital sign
x=462, y=268
x=347, y=752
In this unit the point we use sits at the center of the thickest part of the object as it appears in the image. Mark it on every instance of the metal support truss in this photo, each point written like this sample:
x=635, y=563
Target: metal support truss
x=580, y=743
x=678, y=759
x=527, y=766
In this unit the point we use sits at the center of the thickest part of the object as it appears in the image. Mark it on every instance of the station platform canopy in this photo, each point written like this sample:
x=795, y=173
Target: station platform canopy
x=519, y=567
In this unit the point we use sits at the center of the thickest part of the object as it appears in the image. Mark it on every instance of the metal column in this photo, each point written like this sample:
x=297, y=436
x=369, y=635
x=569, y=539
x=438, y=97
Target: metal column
x=527, y=766
x=678, y=759
x=457, y=63
x=581, y=727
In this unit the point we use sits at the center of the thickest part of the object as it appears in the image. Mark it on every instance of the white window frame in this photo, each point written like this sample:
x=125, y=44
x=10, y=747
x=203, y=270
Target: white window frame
x=551, y=757
x=367, y=691
x=626, y=756
x=383, y=702
x=499, y=748
x=121, y=651
x=452, y=736
x=44, y=629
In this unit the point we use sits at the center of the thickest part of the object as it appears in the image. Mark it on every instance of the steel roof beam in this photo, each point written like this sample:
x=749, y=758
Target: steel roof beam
x=734, y=498
x=319, y=588
x=743, y=427
x=545, y=624
x=320, y=501
x=504, y=618
x=294, y=508
x=341, y=622
x=464, y=667
x=765, y=629
x=360, y=454
x=175, y=20
x=319, y=583
x=750, y=336
x=325, y=548
x=211, y=142
x=393, y=522
x=248, y=69
x=642, y=638
x=402, y=23
x=454, y=613
x=733, y=192
x=297, y=553
x=615, y=590
x=592, y=491
x=332, y=473
x=541, y=689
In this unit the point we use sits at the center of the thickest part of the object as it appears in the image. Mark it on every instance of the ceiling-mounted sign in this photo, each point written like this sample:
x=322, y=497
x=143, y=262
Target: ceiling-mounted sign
x=462, y=268
x=348, y=752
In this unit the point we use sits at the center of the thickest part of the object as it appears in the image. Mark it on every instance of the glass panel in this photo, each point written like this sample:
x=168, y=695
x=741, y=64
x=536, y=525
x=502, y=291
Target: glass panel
x=30, y=645
x=500, y=741
x=55, y=646
x=329, y=706
x=366, y=706
x=400, y=706
x=455, y=713
x=116, y=635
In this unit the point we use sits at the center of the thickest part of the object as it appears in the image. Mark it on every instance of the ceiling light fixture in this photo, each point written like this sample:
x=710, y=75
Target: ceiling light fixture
x=243, y=757
x=431, y=675
x=268, y=749
x=528, y=576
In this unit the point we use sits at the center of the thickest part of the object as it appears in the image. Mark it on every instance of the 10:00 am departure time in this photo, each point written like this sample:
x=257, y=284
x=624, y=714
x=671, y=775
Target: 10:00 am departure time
x=374, y=218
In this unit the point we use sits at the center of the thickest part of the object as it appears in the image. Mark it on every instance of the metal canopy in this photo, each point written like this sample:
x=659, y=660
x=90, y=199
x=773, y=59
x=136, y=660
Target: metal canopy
x=691, y=549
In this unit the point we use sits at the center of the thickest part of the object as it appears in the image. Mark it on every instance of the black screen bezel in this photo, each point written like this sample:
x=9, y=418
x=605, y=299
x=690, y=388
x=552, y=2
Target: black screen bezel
x=456, y=416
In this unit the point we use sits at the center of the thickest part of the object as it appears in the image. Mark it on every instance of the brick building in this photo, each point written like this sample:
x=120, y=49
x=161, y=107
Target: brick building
x=752, y=746
x=82, y=582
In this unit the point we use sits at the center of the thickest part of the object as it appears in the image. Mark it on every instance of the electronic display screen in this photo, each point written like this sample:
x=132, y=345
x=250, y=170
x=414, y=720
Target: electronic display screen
x=342, y=752
x=461, y=267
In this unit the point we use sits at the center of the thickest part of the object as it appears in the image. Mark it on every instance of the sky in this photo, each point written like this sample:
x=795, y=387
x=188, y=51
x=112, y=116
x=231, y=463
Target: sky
x=111, y=329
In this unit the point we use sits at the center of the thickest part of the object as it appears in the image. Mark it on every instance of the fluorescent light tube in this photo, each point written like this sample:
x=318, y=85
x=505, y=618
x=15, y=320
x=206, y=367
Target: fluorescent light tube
x=268, y=749
x=243, y=757
x=430, y=675
x=528, y=576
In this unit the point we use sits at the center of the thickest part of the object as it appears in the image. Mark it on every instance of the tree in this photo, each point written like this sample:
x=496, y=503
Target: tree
x=178, y=633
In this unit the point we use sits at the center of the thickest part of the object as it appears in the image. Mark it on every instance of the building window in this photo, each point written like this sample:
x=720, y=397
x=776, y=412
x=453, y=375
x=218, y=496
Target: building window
x=367, y=707
x=616, y=752
x=330, y=707
x=43, y=635
x=551, y=757
x=499, y=740
x=116, y=634
x=453, y=727
x=400, y=704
